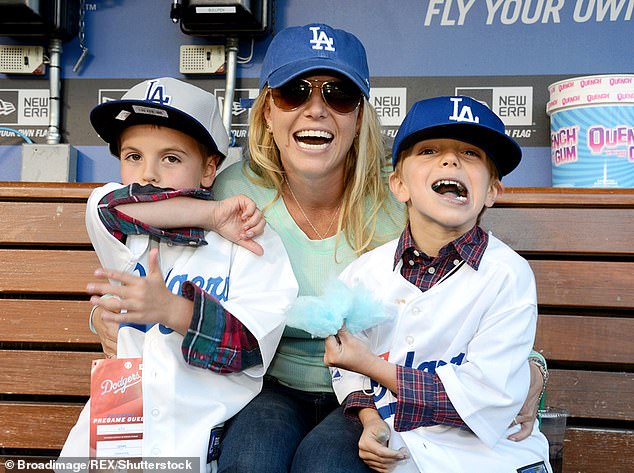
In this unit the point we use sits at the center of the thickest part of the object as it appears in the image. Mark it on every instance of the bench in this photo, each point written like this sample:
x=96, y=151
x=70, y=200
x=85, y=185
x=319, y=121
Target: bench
x=580, y=243
x=46, y=347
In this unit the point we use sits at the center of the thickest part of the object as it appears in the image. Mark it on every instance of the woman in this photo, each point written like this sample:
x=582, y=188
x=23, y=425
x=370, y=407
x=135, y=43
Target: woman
x=316, y=169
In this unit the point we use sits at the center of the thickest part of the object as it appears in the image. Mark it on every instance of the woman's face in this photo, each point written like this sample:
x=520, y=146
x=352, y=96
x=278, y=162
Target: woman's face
x=313, y=139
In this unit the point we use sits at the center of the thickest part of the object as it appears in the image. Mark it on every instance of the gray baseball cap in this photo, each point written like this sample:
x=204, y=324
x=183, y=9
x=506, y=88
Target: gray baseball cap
x=165, y=102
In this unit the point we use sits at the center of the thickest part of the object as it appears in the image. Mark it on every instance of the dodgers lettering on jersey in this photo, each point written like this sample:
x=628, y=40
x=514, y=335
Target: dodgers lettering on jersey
x=321, y=40
x=462, y=114
x=379, y=391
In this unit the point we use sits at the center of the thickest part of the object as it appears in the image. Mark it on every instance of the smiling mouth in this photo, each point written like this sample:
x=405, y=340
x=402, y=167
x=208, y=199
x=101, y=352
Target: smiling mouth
x=451, y=188
x=313, y=139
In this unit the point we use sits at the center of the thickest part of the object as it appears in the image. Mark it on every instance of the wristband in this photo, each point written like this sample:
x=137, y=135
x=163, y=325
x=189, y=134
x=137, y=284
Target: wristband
x=541, y=364
x=91, y=325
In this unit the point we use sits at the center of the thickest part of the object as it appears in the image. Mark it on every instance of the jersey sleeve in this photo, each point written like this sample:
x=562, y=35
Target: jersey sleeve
x=489, y=388
x=216, y=340
x=111, y=251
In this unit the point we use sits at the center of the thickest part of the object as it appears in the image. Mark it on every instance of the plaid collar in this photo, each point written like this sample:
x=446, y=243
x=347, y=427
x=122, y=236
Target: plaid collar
x=470, y=247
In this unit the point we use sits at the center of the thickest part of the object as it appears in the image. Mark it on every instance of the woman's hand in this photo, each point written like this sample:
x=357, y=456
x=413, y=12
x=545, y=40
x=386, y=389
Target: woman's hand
x=140, y=300
x=528, y=413
x=106, y=331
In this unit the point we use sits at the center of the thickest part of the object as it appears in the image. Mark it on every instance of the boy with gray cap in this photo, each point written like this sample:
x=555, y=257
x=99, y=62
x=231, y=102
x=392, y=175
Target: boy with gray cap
x=163, y=272
x=448, y=373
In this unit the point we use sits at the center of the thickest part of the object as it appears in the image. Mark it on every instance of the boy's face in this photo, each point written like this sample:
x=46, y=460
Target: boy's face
x=164, y=157
x=446, y=183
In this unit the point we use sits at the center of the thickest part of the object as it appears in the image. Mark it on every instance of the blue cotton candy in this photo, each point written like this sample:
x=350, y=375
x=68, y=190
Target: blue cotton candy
x=324, y=315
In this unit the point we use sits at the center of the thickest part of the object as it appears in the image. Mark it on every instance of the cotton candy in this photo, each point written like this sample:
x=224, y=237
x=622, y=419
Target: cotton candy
x=323, y=315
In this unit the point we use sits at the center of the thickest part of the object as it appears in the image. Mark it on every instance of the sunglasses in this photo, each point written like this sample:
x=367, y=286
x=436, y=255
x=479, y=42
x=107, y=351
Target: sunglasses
x=341, y=96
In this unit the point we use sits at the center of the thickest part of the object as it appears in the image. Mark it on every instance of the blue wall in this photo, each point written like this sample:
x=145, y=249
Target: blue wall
x=416, y=48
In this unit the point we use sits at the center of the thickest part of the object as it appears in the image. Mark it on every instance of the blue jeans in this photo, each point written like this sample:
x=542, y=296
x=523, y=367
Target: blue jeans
x=284, y=430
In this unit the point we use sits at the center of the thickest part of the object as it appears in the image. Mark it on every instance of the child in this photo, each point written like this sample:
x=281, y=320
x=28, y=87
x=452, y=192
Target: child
x=170, y=139
x=448, y=373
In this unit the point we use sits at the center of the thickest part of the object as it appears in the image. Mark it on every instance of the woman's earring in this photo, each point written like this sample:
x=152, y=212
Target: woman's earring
x=269, y=129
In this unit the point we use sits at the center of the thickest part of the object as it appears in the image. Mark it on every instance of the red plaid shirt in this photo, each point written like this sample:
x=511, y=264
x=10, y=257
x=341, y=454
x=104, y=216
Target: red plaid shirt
x=422, y=399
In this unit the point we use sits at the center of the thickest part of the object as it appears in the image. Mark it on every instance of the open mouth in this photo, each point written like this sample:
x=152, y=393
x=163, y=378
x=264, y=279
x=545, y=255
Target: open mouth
x=451, y=188
x=313, y=139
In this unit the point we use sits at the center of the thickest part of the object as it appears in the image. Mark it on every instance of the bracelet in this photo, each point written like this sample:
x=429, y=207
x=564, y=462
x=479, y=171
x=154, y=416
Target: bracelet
x=541, y=364
x=91, y=325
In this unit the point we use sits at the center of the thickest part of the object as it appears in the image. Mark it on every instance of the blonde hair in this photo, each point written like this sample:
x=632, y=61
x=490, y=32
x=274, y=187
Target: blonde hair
x=365, y=184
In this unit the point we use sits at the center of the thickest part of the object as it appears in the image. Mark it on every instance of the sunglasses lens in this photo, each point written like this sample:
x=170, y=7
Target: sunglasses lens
x=291, y=95
x=342, y=96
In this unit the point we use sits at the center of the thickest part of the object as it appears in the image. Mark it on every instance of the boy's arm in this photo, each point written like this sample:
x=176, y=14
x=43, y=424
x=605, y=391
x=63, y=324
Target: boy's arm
x=261, y=290
x=150, y=210
x=422, y=399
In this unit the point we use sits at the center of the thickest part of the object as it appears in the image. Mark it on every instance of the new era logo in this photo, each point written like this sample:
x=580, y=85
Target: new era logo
x=321, y=40
x=6, y=108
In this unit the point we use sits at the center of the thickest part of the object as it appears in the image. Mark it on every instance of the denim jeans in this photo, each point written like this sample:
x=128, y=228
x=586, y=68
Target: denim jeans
x=284, y=430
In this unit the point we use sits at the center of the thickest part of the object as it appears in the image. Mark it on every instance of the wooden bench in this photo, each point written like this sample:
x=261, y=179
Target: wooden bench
x=46, y=347
x=580, y=244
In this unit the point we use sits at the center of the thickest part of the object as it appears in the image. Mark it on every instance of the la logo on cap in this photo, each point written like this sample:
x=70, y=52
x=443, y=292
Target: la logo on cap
x=321, y=39
x=156, y=93
x=462, y=114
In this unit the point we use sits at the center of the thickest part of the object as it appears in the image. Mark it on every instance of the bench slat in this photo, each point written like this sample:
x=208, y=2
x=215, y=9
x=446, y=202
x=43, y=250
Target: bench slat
x=43, y=223
x=37, y=425
x=537, y=230
x=592, y=394
x=45, y=321
x=594, y=450
x=63, y=271
x=584, y=283
x=46, y=372
x=586, y=338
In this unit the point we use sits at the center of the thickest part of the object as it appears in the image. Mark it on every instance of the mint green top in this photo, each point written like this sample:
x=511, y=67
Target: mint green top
x=298, y=362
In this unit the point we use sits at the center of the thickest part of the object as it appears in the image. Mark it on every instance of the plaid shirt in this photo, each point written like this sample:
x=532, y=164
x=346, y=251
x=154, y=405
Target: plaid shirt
x=120, y=224
x=215, y=340
x=422, y=399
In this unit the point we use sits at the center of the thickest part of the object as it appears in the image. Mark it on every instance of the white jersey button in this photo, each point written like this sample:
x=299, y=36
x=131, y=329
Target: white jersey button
x=411, y=262
x=416, y=310
x=416, y=253
x=409, y=340
x=431, y=270
x=155, y=412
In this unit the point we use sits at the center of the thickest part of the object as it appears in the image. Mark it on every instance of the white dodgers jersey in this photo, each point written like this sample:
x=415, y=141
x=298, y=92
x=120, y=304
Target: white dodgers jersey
x=182, y=403
x=474, y=330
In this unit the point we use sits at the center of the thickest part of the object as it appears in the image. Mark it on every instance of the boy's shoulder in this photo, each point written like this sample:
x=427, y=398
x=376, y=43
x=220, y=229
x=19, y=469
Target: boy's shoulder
x=379, y=259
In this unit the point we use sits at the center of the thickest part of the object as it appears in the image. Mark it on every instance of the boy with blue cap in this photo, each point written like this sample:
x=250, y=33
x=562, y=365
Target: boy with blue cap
x=448, y=373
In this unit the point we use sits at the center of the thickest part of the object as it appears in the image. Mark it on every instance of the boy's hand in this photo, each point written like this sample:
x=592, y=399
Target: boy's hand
x=373, y=449
x=140, y=300
x=238, y=219
x=346, y=351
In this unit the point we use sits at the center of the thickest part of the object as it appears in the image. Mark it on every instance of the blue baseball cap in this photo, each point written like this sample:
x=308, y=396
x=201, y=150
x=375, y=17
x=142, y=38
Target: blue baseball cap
x=460, y=118
x=300, y=49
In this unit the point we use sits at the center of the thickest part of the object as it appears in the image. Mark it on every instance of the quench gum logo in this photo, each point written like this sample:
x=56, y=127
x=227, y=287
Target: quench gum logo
x=564, y=145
